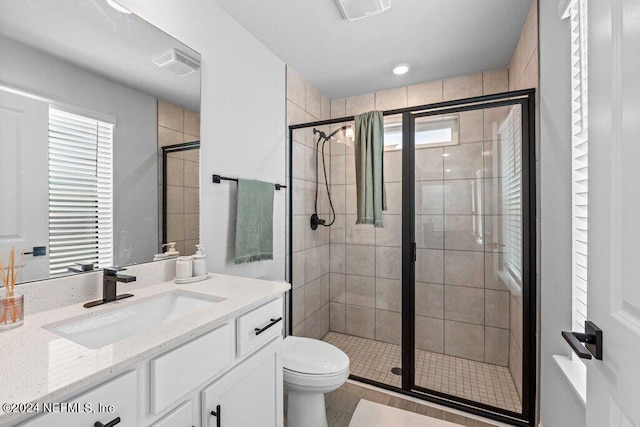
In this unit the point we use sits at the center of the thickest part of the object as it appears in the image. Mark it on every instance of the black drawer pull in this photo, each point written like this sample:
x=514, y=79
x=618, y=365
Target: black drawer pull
x=218, y=415
x=109, y=424
x=273, y=322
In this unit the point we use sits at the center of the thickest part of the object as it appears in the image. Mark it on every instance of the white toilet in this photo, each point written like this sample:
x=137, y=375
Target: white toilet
x=311, y=369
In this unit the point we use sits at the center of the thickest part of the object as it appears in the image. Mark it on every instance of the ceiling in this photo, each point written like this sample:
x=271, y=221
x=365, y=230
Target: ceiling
x=439, y=38
x=91, y=35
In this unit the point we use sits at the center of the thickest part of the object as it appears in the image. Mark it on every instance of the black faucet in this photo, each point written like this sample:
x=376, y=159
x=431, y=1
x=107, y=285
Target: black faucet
x=109, y=281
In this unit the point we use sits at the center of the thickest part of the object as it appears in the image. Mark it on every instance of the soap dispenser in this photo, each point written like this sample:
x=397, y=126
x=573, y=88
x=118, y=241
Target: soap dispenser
x=171, y=249
x=171, y=252
x=199, y=262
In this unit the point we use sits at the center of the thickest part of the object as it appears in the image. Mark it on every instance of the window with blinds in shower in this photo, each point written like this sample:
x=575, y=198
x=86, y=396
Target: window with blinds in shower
x=511, y=193
x=80, y=191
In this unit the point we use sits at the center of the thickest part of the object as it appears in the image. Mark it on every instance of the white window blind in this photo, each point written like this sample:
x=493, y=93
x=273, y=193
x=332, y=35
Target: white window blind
x=580, y=154
x=80, y=191
x=511, y=169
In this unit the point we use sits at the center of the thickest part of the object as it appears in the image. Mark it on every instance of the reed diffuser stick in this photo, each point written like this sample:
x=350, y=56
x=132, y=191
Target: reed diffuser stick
x=5, y=282
x=11, y=307
x=12, y=262
x=2, y=272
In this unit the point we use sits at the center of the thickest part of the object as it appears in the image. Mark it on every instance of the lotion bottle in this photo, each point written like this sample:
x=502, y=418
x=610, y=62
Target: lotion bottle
x=199, y=262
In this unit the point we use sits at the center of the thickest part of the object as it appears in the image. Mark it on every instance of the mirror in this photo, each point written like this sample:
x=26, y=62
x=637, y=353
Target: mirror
x=90, y=94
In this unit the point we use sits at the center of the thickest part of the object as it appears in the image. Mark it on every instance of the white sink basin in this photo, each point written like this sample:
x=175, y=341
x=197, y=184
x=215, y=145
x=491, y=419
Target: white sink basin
x=115, y=325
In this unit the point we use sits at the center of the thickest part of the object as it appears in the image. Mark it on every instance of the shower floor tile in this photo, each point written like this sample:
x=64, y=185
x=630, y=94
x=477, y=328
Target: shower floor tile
x=477, y=381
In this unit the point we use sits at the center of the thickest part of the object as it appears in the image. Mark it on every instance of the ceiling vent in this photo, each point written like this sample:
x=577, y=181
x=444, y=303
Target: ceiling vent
x=177, y=62
x=357, y=9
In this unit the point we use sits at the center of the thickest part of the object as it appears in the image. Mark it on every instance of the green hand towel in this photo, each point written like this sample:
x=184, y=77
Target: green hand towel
x=369, y=151
x=254, y=221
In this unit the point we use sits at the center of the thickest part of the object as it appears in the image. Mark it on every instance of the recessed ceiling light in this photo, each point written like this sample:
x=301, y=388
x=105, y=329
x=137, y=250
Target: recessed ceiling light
x=117, y=7
x=401, y=69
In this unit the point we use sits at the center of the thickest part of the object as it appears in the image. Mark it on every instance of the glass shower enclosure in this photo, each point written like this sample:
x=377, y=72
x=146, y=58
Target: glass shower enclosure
x=440, y=302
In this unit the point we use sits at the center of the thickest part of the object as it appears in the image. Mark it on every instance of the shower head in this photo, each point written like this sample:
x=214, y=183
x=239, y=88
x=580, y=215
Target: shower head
x=343, y=128
x=332, y=134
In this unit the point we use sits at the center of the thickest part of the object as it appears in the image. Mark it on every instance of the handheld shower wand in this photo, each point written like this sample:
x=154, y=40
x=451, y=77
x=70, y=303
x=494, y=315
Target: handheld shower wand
x=315, y=220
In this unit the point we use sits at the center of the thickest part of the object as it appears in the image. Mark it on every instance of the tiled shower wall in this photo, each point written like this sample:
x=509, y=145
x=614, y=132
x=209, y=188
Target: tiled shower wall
x=523, y=74
x=177, y=125
x=457, y=312
x=310, y=248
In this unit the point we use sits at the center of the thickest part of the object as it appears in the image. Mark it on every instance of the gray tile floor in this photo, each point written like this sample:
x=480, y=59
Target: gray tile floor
x=477, y=381
x=342, y=403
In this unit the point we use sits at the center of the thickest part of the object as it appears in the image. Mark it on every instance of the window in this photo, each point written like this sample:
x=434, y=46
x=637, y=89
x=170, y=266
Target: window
x=511, y=168
x=80, y=191
x=429, y=132
x=580, y=155
x=507, y=191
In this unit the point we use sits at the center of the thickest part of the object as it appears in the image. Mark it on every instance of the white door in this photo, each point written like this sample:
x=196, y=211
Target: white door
x=613, y=383
x=24, y=189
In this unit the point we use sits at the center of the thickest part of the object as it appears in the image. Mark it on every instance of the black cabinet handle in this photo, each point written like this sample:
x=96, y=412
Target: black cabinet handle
x=218, y=415
x=109, y=424
x=273, y=322
x=592, y=338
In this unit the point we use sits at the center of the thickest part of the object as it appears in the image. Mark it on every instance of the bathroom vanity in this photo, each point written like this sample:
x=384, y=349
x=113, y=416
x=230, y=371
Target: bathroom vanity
x=204, y=354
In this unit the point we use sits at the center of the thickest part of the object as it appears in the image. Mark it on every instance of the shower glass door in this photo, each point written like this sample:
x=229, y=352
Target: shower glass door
x=465, y=314
x=439, y=302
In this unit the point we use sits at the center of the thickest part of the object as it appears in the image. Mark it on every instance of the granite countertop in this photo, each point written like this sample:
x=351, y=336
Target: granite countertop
x=39, y=366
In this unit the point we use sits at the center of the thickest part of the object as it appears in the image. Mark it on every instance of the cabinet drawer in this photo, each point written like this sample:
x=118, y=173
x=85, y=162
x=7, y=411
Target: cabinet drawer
x=182, y=416
x=121, y=393
x=249, y=339
x=179, y=371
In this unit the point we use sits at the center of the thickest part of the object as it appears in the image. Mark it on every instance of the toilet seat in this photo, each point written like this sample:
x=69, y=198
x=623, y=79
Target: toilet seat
x=314, y=381
x=308, y=357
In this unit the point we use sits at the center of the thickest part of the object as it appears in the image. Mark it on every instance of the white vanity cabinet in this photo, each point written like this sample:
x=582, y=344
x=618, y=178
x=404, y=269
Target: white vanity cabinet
x=248, y=395
x=233, y=370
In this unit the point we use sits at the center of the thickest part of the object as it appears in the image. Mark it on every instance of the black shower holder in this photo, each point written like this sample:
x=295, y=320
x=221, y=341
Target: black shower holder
x=316, y=221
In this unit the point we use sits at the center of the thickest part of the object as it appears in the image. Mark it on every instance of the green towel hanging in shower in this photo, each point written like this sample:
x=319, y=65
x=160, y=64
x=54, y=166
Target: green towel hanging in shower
x=369, y=146
x=254, y=221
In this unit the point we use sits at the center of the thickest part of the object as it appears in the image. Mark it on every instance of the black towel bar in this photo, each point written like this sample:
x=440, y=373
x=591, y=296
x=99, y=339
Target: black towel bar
x=218, y=178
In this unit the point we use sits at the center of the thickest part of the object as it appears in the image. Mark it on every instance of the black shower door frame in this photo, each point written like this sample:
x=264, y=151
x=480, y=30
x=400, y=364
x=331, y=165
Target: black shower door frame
x=526, y=99
x=166, y=150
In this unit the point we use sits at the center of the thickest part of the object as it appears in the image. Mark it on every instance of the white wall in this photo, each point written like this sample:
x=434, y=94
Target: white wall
x=242, y=122
x=559, y=405
x=135, y=138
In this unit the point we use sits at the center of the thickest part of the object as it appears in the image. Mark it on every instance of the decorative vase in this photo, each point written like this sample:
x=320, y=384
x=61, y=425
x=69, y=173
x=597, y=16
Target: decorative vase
x=11, y=310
